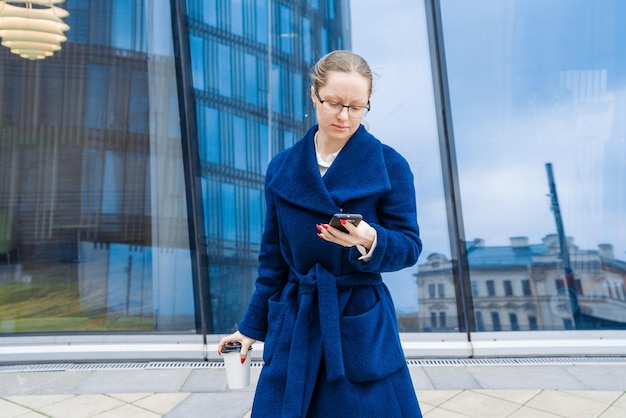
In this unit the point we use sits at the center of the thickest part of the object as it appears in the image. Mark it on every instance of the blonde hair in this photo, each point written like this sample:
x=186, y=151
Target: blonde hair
x=341, y=61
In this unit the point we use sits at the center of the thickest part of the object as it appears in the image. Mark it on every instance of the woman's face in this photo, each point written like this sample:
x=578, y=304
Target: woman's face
x=349, y=89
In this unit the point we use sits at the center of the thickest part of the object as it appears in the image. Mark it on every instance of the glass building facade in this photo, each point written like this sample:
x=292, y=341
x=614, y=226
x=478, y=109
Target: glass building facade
x=132, y=163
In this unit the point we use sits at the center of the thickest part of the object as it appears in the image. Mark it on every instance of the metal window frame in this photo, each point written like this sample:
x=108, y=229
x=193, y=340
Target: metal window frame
x=443, y=109
x=192, y=168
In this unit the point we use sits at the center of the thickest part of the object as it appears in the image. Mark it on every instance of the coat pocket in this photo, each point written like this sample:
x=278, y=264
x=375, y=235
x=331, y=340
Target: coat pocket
x=275, y=318
x=371, y=345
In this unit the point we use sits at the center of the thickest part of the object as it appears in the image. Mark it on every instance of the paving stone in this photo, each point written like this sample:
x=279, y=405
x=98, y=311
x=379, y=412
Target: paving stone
x=81, y=406
x=120, y=381
x=452, y=378
x=11, y=410
x=36, y=402
x=127, y=411
x=223, y=405
x=162, y=403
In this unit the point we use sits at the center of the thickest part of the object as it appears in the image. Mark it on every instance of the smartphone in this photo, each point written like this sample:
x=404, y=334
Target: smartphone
x=354, y=218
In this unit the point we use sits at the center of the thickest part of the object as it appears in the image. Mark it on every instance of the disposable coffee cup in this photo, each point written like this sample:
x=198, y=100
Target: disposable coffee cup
x=237, y=374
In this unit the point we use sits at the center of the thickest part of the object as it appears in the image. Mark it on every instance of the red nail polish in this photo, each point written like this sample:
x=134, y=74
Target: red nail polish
x=343, y=221
x=324, y=226
x=243, y=360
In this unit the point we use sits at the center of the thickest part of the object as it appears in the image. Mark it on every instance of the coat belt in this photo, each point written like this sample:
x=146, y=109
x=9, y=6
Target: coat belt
x=321, y=282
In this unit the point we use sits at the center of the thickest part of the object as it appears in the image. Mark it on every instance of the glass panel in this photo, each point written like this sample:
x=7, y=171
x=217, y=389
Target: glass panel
x=240, y=139
x=242, y=81
x=261, y=20
x=264, y=147
x=298, y=97
x=251, y=74
x=196, y=45
x=403, y=116
x=210, y=11
x=286, y=29
x=307, y=35
x=262, y=98
x=236, y=16
x=538, y=94
x=93, y=217
x=256, y=214
x=330, y=6
x=122, y=24
x=224, y=67
x=277, y=86
x=209, y=129
x=229, y=216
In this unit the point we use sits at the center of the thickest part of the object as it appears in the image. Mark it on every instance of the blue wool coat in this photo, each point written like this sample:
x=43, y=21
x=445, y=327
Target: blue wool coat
x=328, y=322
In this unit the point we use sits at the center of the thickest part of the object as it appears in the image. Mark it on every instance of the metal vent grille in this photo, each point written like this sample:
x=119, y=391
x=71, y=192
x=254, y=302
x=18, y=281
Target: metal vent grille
x=62, y=367
x=154, y=365
x=537, y=361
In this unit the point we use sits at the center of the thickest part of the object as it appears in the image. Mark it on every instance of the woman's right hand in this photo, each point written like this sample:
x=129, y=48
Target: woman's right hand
x=246, y=343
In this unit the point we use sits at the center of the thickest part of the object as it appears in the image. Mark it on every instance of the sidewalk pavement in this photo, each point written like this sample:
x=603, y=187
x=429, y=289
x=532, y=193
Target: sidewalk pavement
x=487, y=388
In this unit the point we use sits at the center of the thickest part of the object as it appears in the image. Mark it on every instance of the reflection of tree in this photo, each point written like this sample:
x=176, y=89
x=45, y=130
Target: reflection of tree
x=522, y=287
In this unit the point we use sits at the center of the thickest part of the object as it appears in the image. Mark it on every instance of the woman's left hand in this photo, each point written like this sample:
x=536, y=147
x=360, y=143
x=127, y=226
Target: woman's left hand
x=362, y=234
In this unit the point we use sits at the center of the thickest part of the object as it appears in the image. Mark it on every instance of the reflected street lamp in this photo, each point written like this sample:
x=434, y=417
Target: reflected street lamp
x=32, y=29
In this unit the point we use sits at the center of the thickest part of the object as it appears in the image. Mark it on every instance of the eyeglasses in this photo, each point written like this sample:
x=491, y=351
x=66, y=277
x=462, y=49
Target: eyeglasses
x=332, y=108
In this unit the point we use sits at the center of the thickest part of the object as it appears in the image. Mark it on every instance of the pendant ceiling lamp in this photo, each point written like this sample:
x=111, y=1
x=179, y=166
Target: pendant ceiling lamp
x=32, y=29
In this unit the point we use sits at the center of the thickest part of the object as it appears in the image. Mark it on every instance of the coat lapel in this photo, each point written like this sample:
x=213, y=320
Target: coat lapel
x=359, y=171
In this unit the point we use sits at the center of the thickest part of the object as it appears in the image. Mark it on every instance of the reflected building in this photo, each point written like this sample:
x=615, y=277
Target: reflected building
x=521, y=287
x=93, y=213
x=95, y=168
x=250, y=64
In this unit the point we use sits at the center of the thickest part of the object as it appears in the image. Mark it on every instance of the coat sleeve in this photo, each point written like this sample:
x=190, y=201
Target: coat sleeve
x=272, y=275
x=399, y=244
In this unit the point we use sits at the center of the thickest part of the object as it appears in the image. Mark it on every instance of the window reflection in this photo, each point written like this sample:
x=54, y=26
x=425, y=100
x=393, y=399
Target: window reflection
x=252, y=103
x=403, y=116
x=93, y=217
x=93, y=225
x=543, y=84
x=522, y=287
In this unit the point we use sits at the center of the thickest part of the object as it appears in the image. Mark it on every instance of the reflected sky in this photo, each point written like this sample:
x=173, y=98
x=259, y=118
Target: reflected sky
x=403, y=116
x=534, y=83
x=402, y=112
x=518, y=103
x=521, y=98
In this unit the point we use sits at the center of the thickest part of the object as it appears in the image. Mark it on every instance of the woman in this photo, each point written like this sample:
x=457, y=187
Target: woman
x=331, y=340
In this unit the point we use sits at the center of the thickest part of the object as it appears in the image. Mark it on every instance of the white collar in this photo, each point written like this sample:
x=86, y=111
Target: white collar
x=324, y=162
